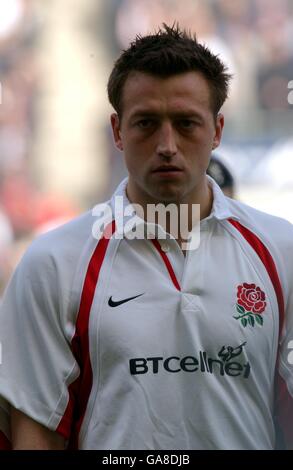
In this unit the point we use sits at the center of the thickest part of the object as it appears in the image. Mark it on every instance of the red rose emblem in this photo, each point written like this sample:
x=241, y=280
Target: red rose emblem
x=251, y=297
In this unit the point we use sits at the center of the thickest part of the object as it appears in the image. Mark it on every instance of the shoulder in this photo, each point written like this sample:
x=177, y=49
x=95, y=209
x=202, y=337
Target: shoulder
x=275, y=233
x=49, y=277
x=66, y=243
x=269, y=228
x=61, y=244
x=52, y=261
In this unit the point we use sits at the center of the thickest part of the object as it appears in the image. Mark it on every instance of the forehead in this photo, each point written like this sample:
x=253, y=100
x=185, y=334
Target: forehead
x=186, y=91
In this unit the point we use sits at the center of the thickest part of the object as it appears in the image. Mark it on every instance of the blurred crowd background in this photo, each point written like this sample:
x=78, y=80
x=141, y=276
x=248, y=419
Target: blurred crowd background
x=56, y=152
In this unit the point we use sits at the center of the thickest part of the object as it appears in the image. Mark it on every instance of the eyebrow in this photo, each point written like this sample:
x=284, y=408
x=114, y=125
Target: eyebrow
x=141, y=113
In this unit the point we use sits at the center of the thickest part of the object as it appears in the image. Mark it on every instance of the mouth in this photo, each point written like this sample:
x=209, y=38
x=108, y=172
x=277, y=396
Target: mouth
x=166, y=169
x=169, y=171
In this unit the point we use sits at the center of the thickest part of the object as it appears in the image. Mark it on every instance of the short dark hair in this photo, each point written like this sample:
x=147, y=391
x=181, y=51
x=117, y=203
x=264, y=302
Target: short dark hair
x=170, y=51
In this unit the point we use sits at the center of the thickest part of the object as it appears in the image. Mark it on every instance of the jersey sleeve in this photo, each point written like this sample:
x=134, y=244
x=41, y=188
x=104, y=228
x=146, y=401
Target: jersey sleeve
x=35, y=336
x=284, y=376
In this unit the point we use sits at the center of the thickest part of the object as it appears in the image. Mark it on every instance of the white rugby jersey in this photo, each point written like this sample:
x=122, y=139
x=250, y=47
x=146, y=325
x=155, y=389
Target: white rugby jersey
x=127, y=344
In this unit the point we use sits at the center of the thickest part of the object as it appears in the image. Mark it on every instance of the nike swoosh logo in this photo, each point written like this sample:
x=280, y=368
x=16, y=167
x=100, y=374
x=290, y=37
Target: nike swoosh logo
x=113, y=303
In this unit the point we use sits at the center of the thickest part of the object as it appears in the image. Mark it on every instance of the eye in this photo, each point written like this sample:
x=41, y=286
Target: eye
x=187, y=124
x=145, y=123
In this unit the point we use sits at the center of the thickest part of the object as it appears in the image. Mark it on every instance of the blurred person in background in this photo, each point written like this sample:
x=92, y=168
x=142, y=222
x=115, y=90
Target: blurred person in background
x=126, y=342
x=222, y=175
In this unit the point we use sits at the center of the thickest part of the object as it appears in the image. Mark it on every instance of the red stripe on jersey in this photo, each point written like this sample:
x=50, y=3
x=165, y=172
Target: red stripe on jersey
x=283, y=400
x=79, y=390
x=168, y=264
x=265, y=256
x=4, y=442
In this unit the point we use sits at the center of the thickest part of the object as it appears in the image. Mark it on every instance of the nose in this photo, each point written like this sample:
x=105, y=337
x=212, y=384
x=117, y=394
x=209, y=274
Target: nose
x=167, y=146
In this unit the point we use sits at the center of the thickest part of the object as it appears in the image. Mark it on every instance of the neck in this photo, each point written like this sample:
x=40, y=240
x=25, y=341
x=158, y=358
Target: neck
x=179, y=223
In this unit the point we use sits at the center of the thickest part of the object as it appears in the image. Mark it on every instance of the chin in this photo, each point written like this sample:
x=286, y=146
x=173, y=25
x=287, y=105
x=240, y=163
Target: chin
x=167, y=196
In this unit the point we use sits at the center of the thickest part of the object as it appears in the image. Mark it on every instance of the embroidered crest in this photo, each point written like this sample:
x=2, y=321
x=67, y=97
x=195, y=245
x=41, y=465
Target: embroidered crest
x=250, y=304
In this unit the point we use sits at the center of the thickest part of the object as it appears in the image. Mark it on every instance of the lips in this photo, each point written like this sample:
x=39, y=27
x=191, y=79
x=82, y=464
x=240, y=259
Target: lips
x=167, y=173
x=166, y=169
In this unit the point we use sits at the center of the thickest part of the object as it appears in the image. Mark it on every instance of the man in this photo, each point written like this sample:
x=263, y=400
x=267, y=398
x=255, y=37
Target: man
x=149, y=342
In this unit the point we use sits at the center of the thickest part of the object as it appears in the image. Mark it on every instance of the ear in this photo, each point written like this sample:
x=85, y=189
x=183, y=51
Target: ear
x=115, y=124
x=219, y=130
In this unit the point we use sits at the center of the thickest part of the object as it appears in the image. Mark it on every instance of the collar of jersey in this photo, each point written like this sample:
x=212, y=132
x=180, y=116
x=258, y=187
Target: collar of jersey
x=220, y=211
x=221, y=208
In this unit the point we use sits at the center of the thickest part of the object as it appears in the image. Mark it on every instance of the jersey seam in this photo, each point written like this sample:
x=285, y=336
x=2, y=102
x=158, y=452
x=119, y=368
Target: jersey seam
x=227, y=228
x=74, y=304
x=13, y=386
x=93, y=398
x=64, y=393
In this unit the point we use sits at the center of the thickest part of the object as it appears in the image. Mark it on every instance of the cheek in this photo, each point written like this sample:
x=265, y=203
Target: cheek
x=129, y=162
x=133, y=160
x=206, y=136
x=201, y=141
x=198, y=153
x=137, y=152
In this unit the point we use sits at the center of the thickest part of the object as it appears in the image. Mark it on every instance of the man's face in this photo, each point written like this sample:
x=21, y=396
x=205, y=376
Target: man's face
x=167, y=132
